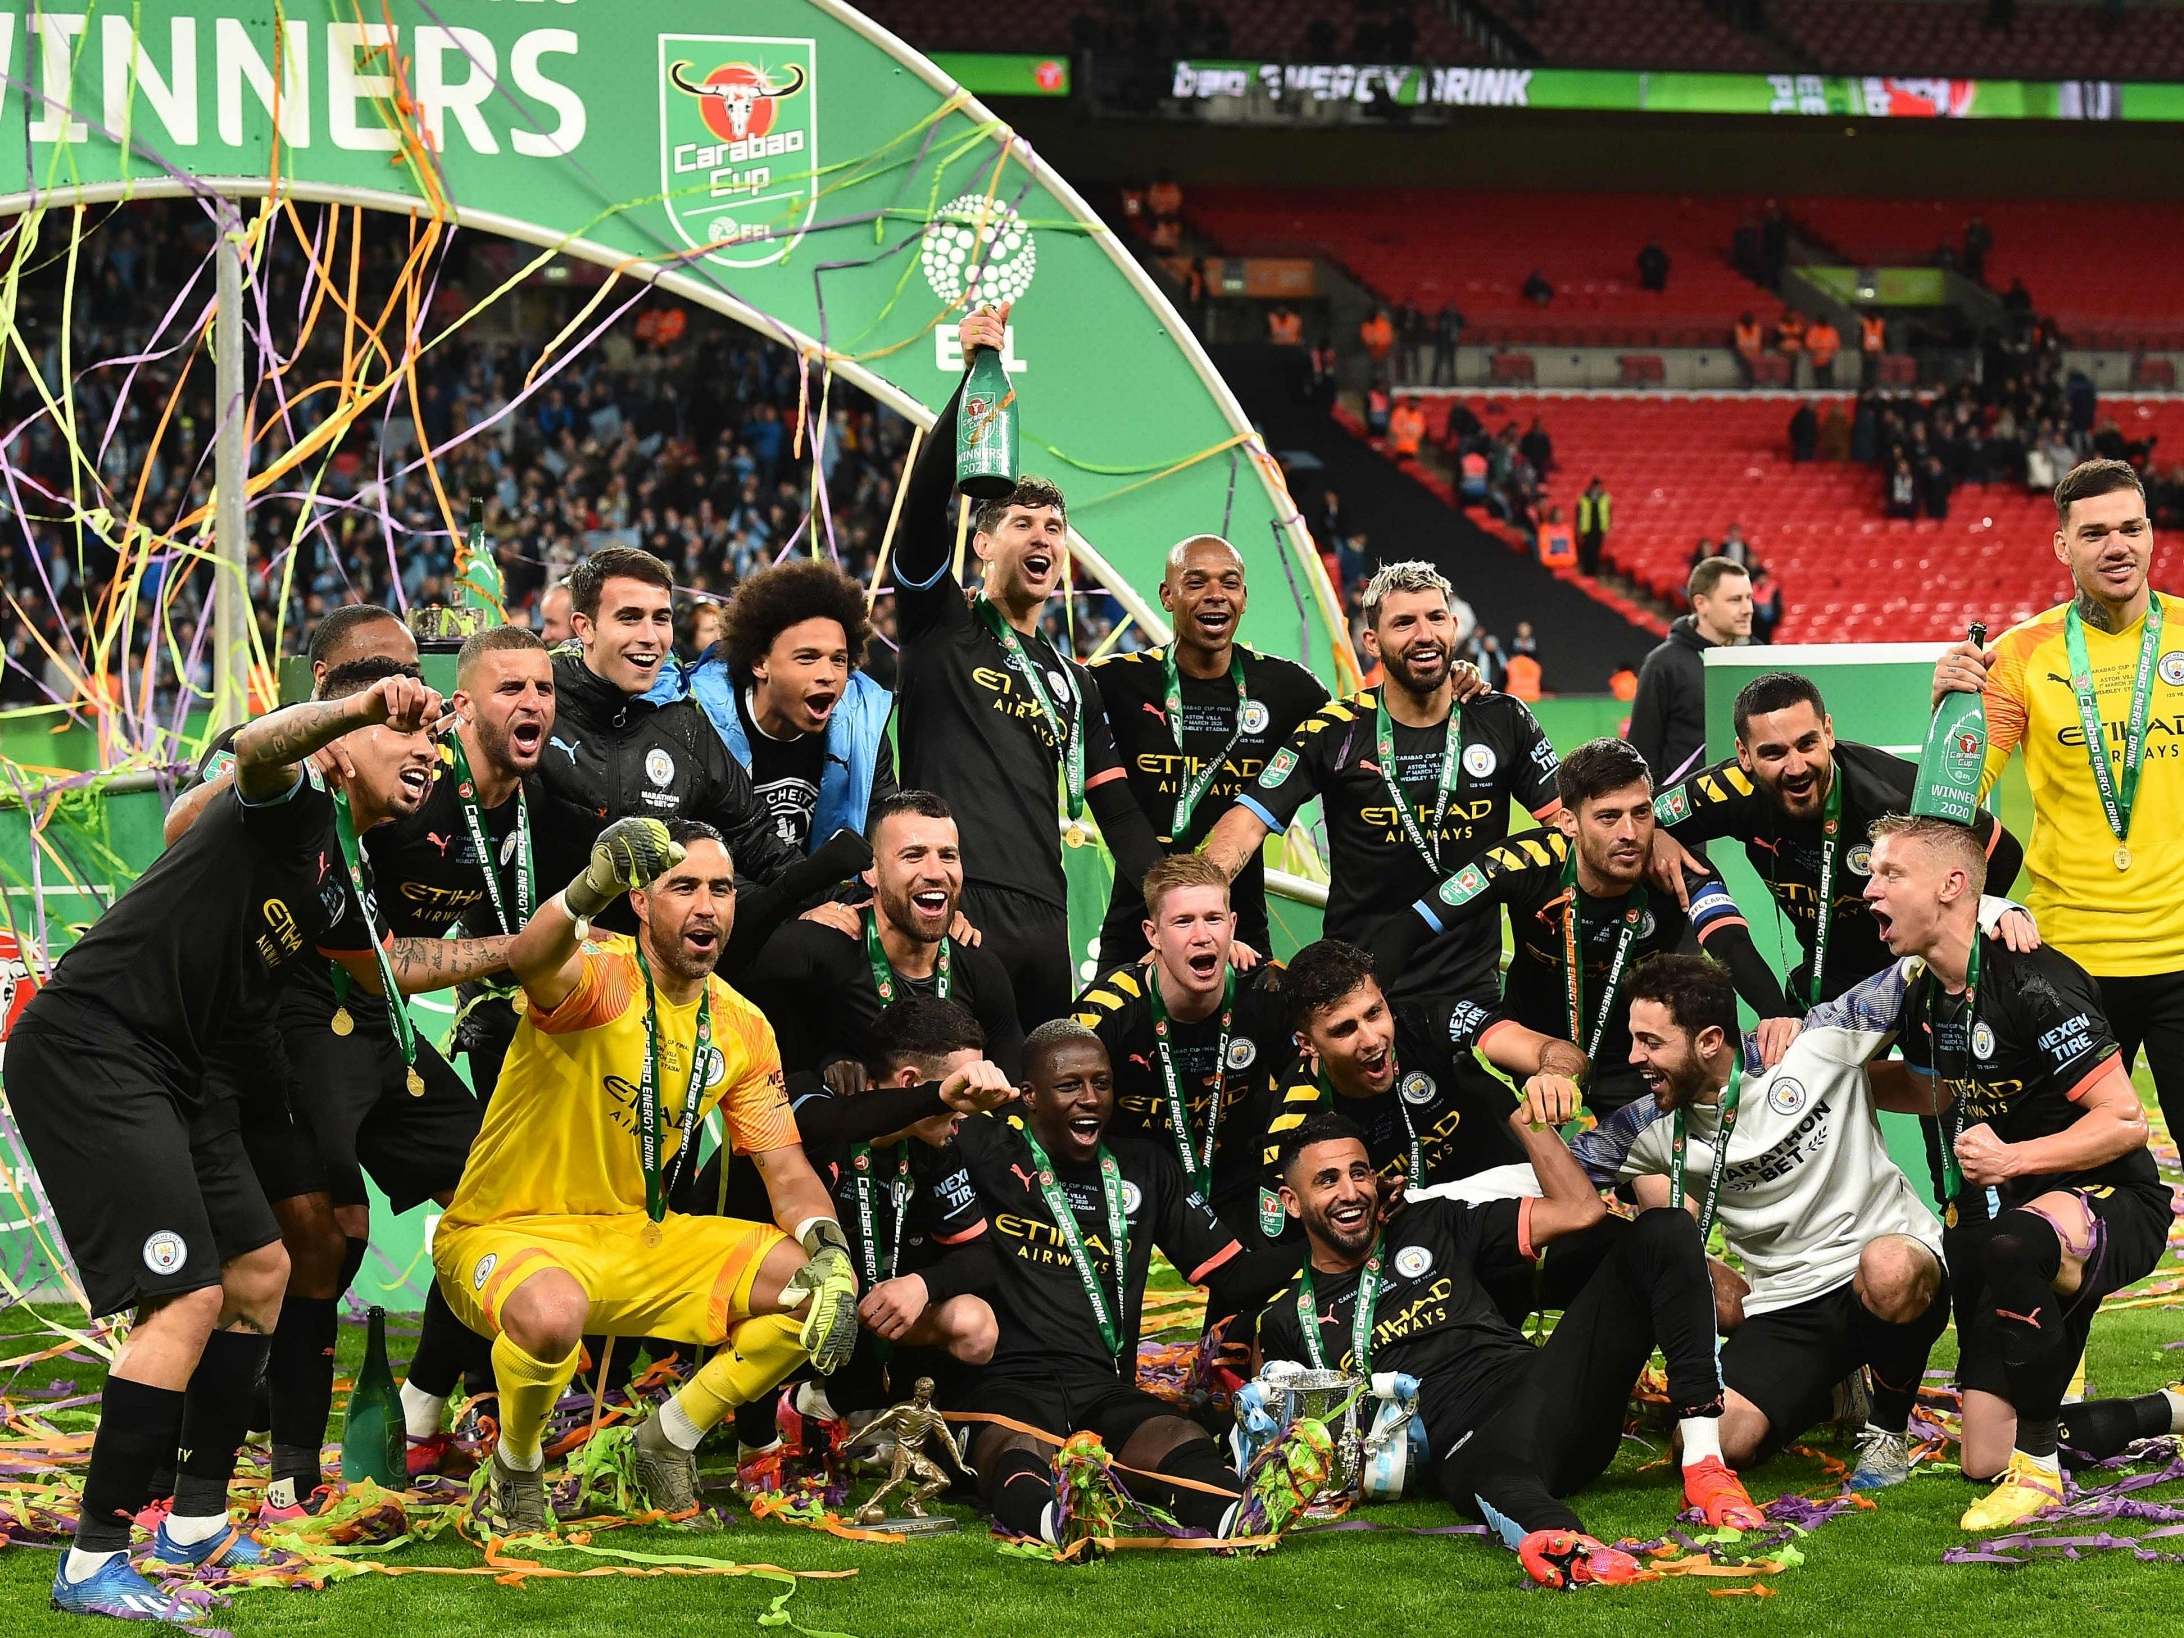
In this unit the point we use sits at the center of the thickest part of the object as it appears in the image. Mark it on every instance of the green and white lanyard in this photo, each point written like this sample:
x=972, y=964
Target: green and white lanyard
x=1425, y=839
x=648, y=1097
x=883, y=970
x=1952, y=1174
x=1070, y=744
x=1109, y=1320
x=466, y=797
x=1831, y=831
x=1415, y=1151
x=1361, y=1317
x=1729, y=1098
x=2115, y=804
x=860, y=1160
x=1197, y=1163
x=1573, y=957
x=405, y=1035
x=1190, y=792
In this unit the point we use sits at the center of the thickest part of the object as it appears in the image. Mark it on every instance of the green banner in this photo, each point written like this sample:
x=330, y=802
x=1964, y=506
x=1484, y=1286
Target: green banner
x=1004, y=74
x=1290, y=88
x=783, y=161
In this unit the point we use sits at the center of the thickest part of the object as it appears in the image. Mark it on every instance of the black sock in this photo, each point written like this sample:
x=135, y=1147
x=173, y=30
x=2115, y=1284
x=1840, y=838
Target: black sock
x=1896, y=1359
x=139, y=1427
x=1023, y=1484
x=2020, y=1260
x=1200, y=1461
x=447, y=1350
x=755, y=1425
x=301, y=1367
x=2037, y=1437
x=352, y=1262
x=2101, y=1428
x=215, y=1415
x=1664, y=1250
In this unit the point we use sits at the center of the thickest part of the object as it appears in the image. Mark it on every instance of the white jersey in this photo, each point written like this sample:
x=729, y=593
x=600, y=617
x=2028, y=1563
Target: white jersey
x=1809, y=1179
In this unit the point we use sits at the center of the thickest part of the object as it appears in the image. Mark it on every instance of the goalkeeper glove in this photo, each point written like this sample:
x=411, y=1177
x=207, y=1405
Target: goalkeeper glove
x=830, y=1323
x=628, y=854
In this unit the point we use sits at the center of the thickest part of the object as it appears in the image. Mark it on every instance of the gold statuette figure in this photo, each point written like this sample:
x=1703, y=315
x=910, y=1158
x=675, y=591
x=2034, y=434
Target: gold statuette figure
x=917, y=1426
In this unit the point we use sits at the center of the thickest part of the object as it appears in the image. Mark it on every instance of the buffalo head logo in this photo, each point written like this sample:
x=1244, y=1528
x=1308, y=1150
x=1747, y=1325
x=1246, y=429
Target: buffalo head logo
x=737, y=100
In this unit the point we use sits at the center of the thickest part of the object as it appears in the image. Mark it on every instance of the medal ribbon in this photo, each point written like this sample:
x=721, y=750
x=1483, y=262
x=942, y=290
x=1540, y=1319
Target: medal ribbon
x=1361, y=1318
x=883, y=970
x=1952, y=1175
x=1070, y=745
x=2115, y=804
x=1118, y=1240
x=352, y=857
x=1198, y=1165
x=648, y=1093
x=466, y=796
x=1426, y=841
x=1729, y=1099
x=860, y=1159
x=1190, y=792
x=1831, y=829
x=1573, y=958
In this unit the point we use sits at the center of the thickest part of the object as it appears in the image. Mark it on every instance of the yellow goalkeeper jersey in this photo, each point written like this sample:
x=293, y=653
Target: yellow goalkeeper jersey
x=2114, y=923
x=560, y=1136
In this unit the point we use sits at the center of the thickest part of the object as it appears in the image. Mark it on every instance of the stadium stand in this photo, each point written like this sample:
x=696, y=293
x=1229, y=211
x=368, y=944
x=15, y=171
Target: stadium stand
x=1685, y=468
x=1269, y=28
x=1426, y=248
x=2128, y=297
x=2043, y=41
x=1659, y=34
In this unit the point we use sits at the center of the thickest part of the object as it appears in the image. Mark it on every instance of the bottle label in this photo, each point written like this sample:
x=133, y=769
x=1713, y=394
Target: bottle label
x=1956, y=752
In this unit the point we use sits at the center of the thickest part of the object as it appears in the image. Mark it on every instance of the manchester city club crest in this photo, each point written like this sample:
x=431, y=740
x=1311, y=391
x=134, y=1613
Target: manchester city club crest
x=1254, y=717
x=739, y=143
x=659, y=767
x=1785, y=1096
x=1860, y=859
x=1413, y=1261
x=1982, y=1040
x=1417, y=1087
x=1479, y=760
x=1132, y=1198
x=2172, y=667
x=1243, y=1052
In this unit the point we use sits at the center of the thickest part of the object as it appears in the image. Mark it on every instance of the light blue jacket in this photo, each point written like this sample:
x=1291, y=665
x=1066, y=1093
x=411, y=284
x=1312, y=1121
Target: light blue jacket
x=856, y=732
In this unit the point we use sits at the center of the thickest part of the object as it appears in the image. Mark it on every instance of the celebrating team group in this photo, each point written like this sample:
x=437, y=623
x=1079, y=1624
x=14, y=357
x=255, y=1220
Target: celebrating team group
x=782, y=1067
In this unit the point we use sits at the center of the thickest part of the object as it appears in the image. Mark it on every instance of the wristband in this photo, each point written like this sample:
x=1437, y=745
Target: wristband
x=815, y=1233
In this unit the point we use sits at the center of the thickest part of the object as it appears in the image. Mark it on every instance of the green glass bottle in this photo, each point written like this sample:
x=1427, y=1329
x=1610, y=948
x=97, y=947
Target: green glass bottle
x=1955, y=755
x=479, y=586
x=373, y=1445
x=986, y=430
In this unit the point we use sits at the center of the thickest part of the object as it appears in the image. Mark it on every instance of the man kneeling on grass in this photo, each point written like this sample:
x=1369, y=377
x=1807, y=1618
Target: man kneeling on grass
x=1514, y=1428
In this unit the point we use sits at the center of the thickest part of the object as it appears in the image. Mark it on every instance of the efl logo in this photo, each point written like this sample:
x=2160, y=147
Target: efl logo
x=739, y=148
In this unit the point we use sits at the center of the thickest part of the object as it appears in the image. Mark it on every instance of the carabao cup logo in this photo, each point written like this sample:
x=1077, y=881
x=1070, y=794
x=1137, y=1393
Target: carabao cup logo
x=739, y=143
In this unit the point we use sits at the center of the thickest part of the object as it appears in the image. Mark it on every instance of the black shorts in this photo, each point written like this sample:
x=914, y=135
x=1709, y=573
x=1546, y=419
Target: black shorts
x=1064, y=1401
x=149, y=1200
x=2130, y=1234
x=351, y=1093
x=1030, y=937
x=1788, y=1361
x=252, y=1076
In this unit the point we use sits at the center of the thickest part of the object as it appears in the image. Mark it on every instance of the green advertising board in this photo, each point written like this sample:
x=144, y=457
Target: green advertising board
x=1221, y=84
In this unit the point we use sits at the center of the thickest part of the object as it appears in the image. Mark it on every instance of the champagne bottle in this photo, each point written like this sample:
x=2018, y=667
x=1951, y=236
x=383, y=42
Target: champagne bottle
x=479, y=583
x=1955, y=755
x=986, y=430
x=373, y=1445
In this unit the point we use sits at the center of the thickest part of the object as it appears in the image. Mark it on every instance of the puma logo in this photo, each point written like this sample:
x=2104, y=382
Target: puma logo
x=567, y=747
x=2032, y=1319
x=1152, y=710
x=1030, y=1183
x=438, y=841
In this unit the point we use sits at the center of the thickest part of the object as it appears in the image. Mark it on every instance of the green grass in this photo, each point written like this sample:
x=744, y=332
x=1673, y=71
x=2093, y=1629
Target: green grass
x=1866, y=1573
